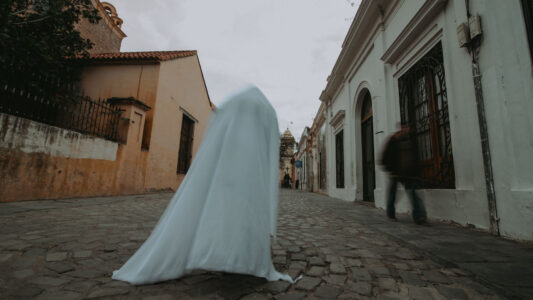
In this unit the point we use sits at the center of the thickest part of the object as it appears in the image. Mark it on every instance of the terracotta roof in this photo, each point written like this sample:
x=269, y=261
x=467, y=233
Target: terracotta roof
x=140, y=56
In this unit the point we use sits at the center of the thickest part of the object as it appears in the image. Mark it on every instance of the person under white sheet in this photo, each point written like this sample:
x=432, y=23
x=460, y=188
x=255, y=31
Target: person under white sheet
x=225, y=210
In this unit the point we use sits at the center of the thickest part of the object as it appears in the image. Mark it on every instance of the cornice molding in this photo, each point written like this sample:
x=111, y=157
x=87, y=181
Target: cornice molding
x=319, y=118
x=129, y=101
x=414, y=28
x=338, y=118
x=371, y=15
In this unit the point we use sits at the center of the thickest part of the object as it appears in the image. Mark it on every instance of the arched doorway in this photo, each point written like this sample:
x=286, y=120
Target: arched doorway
x=367, y=139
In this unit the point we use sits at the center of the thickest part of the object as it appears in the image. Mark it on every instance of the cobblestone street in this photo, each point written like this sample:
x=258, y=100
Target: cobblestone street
x=67, y=249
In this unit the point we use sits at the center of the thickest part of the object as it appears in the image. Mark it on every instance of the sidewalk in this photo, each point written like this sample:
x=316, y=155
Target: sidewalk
x=496, y=262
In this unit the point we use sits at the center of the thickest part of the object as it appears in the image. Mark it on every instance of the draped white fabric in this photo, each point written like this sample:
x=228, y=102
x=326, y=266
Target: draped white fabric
x=225, y=210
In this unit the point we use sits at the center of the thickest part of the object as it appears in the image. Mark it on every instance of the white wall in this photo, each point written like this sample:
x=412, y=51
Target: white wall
x=505, y=64
x=508, y=92
x=33, y=137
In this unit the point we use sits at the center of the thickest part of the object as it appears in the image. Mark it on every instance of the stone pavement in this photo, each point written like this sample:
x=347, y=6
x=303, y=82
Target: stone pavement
x=67, y=249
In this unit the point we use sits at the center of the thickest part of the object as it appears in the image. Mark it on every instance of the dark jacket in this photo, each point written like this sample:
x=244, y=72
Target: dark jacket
x=399, y=156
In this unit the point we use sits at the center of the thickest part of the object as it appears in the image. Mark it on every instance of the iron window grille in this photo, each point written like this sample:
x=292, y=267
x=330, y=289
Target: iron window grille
x=424, y=106
x=68, y=109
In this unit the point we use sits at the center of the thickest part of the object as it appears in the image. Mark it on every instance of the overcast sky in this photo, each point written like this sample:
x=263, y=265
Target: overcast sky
x=285, y=47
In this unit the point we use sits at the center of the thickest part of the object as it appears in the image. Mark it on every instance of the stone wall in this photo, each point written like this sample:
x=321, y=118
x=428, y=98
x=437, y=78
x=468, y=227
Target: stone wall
x=105, y=35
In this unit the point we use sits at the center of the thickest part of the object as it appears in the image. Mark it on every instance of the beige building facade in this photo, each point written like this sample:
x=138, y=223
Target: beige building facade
x=154, y=104
x=171, y=84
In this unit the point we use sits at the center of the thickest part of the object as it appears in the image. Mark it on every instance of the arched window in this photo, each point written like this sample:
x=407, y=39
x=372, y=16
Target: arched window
x=367, y=139
x=366, y=110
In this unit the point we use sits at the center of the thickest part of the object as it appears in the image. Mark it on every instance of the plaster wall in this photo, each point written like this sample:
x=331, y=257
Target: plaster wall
x=104, y=81
x=38, y=161
x=506, y=69
x=181, y=90
x=348, y=192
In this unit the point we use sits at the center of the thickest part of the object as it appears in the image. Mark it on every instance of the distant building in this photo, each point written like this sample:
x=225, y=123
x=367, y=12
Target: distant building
x=286, y=168
x=317, y=153
x=302, y=162
x=460, y=73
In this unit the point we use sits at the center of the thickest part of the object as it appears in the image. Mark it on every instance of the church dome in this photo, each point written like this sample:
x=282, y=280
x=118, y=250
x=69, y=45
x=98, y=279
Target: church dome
x=287, y=134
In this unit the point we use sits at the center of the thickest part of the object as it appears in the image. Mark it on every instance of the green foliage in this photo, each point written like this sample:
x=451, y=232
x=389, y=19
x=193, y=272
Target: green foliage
x=37, y=38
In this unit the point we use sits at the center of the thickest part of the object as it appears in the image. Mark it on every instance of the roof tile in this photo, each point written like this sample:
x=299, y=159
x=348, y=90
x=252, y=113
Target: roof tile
x=140, y=56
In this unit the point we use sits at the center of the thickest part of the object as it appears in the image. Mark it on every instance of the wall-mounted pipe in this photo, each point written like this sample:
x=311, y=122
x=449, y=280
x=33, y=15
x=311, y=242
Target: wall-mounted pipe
x=474, y=47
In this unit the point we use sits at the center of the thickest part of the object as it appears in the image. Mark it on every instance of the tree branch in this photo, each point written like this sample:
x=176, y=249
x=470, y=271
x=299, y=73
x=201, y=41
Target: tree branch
x=32, y=21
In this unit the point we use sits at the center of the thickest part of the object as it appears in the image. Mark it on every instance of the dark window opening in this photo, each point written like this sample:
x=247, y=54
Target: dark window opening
x=366, y=110
x=367, y=138
x=147, y=133
x=424, y=106
x=527, y=9
x=322, y=163
x=339, y=158
x=186, y=141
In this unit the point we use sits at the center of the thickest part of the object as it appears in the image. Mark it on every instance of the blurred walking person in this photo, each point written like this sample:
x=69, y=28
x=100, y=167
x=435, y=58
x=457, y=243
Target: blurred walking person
x=400, y=160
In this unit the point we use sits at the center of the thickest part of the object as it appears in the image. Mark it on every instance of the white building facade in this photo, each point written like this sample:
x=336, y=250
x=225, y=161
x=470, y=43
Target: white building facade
x=460, y=73
x=301, y=161
x=318, y=153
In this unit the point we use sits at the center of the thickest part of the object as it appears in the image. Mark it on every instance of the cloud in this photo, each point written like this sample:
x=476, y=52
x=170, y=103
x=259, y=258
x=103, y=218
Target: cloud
x=287, y=48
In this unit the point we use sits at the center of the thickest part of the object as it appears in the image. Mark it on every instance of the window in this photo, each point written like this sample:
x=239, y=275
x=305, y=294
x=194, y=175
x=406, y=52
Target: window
x=186, y=140
x=527, y=9
x=424, y=106
x=147, y=132
x=339, y=158
x=322, y=158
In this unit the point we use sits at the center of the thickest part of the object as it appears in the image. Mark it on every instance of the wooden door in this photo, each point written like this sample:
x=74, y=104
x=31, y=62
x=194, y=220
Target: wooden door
x=367, y=138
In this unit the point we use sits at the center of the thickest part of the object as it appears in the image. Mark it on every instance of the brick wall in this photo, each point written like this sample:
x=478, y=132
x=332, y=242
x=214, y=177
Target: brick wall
x=105, y=35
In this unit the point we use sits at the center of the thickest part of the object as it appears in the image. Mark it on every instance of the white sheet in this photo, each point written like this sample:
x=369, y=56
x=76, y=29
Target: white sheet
x=225, y=210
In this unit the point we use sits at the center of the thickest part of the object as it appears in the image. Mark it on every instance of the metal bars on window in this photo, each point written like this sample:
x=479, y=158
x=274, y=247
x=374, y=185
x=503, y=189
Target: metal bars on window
x=70, y=110
x=424, y=106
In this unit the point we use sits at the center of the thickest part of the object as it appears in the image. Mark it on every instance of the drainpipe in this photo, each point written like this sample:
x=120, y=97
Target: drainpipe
x=474, y=49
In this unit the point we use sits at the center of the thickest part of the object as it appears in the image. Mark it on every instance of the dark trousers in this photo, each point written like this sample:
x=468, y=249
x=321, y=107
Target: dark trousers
x=410, y=185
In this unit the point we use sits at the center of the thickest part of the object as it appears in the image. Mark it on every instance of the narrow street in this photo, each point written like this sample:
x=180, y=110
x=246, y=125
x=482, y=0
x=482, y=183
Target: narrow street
x=67, y=249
